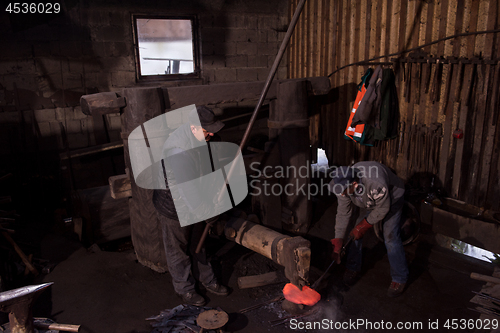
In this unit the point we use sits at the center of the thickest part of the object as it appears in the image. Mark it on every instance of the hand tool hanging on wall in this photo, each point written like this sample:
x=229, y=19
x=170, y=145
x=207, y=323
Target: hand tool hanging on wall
x=428, y=70
x=408, y=82
x=436, y=135
x=423, y=147
x=436, y=82
x=270, y=77
x=418, y=78
x=471, y=86
x=461, y=71
x=448, y=87
x=488, y=87
x=401, y=137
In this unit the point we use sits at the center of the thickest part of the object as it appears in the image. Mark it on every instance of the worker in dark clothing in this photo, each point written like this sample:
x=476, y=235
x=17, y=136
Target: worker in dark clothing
x=187, y=157
x=380, y=194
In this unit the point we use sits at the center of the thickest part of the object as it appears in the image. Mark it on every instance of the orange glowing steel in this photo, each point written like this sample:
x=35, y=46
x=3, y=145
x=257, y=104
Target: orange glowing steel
x=306, y=296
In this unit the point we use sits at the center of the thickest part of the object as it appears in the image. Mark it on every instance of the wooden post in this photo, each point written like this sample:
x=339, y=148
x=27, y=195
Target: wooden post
x=485, y=278
x=291, y=120
x=143, y=104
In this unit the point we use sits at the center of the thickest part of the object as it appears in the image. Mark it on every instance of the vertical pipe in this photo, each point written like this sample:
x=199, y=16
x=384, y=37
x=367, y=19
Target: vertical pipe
x=267, y=85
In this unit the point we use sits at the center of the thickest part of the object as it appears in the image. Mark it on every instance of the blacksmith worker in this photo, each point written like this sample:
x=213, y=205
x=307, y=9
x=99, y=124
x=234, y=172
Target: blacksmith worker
x=380, y=194
x=185, y=148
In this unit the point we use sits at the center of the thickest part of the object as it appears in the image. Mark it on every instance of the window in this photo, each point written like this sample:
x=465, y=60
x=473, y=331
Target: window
x=166, y=47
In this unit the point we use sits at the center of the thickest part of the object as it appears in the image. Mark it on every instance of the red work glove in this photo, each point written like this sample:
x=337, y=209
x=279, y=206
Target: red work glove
x=360, y=229
x=337, y=248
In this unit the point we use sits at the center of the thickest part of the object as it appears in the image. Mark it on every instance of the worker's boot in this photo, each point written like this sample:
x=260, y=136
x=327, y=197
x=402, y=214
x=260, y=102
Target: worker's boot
x=193, y=298
x=217, y=289
x=395, y=289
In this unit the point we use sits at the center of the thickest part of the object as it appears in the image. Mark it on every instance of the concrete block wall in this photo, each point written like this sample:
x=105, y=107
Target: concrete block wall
x=241, y=47
x=54, y=129
x=47, y=65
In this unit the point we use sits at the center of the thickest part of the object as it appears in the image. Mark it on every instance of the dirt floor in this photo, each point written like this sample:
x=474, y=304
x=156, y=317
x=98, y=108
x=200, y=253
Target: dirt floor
x=106, y=290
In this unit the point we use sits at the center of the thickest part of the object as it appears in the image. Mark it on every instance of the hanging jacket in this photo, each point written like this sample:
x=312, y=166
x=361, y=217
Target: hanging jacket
x=367, y=112
x=378, y=109
x=356, y=132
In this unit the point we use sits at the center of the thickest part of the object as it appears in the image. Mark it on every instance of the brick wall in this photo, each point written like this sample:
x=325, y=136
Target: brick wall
x=46, y=65
x=241, y=47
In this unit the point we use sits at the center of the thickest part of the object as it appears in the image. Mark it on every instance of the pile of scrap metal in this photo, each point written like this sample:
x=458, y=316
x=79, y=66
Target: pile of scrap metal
x=186, y=318
x=488, y=299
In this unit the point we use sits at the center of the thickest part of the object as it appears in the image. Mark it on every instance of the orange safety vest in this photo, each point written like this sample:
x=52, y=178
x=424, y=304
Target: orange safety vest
x=356, y=133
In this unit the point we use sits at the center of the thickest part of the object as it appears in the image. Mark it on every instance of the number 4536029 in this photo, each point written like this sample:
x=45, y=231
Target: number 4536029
x=472, y=324
x=33, y=8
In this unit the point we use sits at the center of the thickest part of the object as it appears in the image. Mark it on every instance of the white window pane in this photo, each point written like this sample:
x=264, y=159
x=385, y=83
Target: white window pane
x=165, y=46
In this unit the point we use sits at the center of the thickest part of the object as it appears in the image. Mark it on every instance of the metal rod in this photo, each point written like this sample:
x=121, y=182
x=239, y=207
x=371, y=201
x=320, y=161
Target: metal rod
x=267, y=85
x=416, y=48
x=277, y=60
x=256, y=306
x=485, y=311
x=342, y=252
x=308, y=313
x=316, y=283
x=483, y=295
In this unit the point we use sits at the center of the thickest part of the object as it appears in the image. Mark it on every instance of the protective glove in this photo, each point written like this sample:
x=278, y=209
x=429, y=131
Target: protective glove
x=337, y=248
x=359, y=230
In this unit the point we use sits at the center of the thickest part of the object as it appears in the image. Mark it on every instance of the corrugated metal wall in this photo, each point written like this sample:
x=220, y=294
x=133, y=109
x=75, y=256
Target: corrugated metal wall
x=449, y=85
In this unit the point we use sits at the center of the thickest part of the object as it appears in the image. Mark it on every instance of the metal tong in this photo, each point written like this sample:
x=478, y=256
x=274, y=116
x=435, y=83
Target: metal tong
x=342, y=253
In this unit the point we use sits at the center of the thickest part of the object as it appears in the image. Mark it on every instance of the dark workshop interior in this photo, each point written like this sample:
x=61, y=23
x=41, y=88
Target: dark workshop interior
x=81, y=246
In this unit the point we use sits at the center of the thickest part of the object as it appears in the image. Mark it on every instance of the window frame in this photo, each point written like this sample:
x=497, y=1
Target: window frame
x=196, y=49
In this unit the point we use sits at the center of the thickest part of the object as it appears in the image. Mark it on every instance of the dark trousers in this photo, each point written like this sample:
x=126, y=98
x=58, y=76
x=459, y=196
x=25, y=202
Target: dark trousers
x=392, y=239
x=183, y=263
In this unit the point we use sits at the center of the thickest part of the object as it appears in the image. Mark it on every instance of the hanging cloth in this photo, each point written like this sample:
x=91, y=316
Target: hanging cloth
x=357, y=132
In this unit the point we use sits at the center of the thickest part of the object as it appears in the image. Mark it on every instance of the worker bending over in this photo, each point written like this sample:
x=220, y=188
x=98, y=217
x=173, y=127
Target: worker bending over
x=380, y=194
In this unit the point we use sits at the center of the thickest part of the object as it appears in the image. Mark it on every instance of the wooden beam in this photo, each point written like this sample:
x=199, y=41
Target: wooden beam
x=475, y=232
x=485, y=278
x=120, y=186
x=91, y=150
x=253, y=281
x=101, y=103
x=233, y=92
